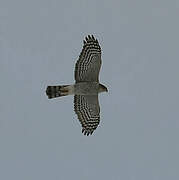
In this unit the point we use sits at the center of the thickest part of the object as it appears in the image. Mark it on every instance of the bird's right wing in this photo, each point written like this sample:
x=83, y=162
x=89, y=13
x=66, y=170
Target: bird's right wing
x=89, y=63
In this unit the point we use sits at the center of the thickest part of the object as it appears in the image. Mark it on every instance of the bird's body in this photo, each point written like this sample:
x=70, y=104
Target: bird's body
x=80, y=88
x=86, y=87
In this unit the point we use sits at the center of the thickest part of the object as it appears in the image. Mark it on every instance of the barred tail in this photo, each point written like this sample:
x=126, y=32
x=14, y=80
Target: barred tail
x=58, y=91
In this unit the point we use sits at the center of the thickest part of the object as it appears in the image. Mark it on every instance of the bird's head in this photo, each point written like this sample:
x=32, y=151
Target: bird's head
x=102, y=88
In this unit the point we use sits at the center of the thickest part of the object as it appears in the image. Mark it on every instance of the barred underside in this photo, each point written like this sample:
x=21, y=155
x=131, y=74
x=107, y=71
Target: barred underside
x=58, y=91
x=87, y=86
x=88, y=65
x=87, y=109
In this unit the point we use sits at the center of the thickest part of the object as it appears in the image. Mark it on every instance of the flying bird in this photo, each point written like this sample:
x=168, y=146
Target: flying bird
x=86, y=87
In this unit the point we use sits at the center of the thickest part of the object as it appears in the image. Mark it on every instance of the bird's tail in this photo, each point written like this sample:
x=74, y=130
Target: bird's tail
x=58, y=91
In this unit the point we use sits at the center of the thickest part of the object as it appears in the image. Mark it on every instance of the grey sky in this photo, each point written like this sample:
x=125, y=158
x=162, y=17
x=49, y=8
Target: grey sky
x=41, y=139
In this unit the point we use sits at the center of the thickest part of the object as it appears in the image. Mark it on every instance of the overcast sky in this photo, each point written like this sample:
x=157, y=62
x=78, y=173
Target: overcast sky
x=41, y=139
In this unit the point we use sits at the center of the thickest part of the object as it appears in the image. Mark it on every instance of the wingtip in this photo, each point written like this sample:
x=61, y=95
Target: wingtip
x=86, y=38
x=89, y=37
x=87, y=132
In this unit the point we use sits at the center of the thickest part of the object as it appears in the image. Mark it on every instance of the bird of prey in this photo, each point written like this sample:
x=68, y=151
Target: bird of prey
x=86, y=87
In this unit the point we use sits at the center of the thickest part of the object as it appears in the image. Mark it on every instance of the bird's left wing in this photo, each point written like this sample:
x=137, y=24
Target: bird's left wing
x=88, y=112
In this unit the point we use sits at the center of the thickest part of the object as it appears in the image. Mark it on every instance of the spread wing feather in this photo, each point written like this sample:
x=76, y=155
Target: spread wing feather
x=88, y=112
x=89, y=62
